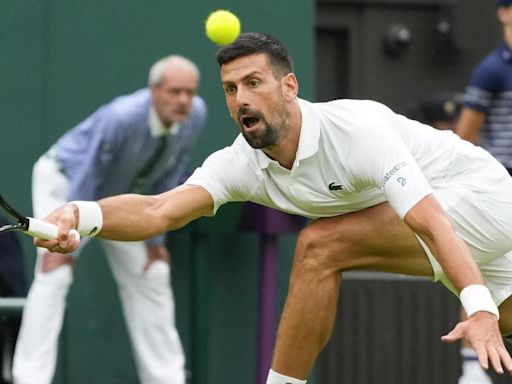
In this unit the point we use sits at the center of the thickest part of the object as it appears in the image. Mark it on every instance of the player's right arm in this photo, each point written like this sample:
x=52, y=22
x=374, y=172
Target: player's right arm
x=133, y=217
x=469, y=124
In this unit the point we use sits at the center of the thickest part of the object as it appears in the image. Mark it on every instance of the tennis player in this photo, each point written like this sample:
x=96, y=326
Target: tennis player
x=136, y=143
x=386, y=193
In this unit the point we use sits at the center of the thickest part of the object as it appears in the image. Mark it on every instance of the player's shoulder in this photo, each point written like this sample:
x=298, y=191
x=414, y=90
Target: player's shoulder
x=352, y=115
x=350, y=107
x=235, y=154
x=234, y=162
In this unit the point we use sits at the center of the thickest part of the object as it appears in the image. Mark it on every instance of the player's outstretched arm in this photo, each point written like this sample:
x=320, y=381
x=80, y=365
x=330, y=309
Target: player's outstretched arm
x=428, y=219
x=133, y=217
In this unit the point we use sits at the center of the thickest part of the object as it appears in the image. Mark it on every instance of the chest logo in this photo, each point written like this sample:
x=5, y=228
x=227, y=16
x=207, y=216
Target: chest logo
x=402, y=181
x=335, y=187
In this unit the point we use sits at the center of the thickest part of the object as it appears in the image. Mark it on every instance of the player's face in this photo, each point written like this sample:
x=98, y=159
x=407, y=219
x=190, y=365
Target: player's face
x=172, y=97
x=255, y=100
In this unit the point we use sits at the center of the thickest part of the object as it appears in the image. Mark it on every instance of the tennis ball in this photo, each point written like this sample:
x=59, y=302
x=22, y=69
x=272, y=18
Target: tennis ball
x=222, y=27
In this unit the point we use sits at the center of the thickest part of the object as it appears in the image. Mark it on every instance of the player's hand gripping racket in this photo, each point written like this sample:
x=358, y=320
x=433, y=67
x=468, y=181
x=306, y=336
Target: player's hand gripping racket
x=29, y=225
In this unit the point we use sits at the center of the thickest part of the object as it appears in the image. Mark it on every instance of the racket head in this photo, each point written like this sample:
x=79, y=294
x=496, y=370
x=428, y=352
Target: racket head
x=14, y=227
x=21, y=225
x=10, y=210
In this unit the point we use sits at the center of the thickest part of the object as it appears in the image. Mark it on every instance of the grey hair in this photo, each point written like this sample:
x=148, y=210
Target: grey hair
x=174, y=61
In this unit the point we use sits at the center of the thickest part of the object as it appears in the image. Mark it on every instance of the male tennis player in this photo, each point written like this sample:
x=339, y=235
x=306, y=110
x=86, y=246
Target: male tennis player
x=387, y=193
x=137, y=143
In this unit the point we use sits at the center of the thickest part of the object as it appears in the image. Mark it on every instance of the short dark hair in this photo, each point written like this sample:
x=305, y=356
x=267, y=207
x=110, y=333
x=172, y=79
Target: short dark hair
x=251, y=43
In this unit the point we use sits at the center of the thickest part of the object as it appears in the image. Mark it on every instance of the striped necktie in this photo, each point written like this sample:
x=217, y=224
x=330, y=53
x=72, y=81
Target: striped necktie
x=140, y=185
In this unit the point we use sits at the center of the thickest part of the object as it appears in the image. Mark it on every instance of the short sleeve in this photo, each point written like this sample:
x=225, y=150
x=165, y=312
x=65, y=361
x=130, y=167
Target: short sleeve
x=227, y=176
x=384, y=161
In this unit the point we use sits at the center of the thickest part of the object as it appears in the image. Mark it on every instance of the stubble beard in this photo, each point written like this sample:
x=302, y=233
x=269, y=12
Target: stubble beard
x=270, y=135
x=259, y=140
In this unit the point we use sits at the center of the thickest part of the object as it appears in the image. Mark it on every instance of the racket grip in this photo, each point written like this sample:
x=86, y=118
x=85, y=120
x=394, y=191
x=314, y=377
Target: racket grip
x=44, y=230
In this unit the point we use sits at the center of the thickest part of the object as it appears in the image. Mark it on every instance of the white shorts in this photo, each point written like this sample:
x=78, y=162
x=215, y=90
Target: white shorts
x=477, y=195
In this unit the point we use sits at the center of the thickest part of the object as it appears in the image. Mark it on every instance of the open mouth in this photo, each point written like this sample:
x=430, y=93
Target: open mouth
x=249, y=121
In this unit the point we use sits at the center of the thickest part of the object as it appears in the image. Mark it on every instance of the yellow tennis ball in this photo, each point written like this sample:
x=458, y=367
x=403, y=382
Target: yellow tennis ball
x=222, y=27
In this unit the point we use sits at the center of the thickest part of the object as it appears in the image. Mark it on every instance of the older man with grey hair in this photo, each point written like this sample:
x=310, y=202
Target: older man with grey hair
x=137, y=143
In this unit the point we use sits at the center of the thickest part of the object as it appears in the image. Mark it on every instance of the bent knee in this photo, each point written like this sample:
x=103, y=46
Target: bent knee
x=323, y=247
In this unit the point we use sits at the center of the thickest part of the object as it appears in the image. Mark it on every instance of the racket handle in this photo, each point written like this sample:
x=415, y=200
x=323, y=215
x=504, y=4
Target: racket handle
x=44, y=230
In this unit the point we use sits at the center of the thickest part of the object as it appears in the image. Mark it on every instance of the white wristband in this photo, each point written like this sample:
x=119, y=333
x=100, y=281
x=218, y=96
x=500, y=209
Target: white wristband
x=90, y=219
x=475, y=298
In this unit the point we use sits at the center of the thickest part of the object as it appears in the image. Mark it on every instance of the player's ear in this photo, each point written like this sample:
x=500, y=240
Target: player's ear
x=290, y=86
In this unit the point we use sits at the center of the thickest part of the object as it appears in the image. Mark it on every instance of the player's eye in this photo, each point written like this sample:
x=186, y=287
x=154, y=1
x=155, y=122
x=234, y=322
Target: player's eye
x=253, y=83
x=229, y=89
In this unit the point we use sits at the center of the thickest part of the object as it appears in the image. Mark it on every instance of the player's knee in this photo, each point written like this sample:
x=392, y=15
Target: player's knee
x=318, y=248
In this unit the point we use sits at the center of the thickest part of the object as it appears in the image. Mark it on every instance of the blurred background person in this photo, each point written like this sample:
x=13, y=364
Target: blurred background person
x=137, y=143
x=12, y=284
x=441, y=110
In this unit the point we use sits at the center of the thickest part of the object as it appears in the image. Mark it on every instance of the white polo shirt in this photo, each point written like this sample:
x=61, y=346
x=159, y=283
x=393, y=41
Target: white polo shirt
x=352, y=154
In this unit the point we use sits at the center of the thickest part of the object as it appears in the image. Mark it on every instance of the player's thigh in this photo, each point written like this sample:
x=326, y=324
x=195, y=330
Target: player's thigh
x=372, y=239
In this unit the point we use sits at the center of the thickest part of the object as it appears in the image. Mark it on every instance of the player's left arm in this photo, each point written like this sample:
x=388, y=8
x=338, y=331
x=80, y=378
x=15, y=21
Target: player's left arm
x=429, y=220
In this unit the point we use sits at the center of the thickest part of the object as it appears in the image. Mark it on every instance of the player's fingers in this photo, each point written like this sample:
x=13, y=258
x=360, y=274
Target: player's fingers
x=494, y=358
x=74, y=240
x=505, y=358
x=454, y=335
x=45, y=243
x=481, y=352
x=63, y=235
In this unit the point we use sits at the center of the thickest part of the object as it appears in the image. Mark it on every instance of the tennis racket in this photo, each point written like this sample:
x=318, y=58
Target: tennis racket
x=29, y=225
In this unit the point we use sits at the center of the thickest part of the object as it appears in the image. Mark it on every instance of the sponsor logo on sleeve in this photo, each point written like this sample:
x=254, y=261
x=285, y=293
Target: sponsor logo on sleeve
x=402, y=181
x=389, y=174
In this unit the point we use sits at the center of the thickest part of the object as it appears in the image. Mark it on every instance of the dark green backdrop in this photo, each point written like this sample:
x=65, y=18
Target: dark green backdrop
x=59, y=61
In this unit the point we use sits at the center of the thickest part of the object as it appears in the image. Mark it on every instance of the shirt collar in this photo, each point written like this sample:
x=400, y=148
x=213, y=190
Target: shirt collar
x=308, y=140
x=157, y=128
x=506, y=52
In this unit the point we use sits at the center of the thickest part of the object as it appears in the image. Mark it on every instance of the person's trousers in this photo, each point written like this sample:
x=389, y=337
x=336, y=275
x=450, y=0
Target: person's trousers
x=146, y=300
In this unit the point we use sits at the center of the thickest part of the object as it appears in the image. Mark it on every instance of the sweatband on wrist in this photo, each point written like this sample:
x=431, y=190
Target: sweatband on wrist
x=277, y=378
x=477, y=297
x=90, y=218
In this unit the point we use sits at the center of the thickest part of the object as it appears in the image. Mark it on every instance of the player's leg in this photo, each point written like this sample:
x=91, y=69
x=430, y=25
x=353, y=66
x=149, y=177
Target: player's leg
x=372, y=239
x=148, y=305
x=36, y=347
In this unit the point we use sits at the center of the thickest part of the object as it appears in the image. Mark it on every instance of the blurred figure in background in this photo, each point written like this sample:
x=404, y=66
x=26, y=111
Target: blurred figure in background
x=441, y=110
x=12, y=284
x=486, y=118
x=137, y=143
